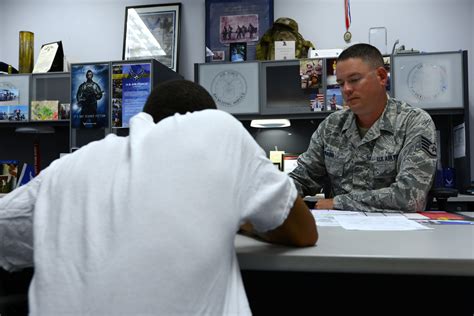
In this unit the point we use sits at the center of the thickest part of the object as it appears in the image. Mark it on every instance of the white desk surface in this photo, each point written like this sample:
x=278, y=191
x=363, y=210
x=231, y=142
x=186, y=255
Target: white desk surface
x=444, y=250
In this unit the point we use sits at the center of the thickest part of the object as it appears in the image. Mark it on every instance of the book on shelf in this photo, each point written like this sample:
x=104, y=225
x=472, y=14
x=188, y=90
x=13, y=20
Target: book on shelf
x=8, y=175
x=27, y=173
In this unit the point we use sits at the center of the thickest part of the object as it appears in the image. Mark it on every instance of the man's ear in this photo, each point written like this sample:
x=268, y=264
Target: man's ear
x=382, y=75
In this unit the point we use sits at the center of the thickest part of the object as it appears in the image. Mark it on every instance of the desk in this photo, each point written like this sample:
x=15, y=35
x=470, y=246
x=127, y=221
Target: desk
x=351, y=269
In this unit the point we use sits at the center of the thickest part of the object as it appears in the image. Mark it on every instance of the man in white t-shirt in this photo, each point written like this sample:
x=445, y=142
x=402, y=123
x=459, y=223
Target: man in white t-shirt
x=145, y=224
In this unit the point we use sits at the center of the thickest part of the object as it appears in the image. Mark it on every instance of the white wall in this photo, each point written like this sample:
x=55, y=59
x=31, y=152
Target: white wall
x=92, y=30
x=2, y=28
x=428, y=25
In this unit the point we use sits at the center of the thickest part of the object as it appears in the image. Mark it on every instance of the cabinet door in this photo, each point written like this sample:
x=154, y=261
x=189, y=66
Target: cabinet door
x=286, y=88
x=430, y=80
x=234, y=86
x=51, y=90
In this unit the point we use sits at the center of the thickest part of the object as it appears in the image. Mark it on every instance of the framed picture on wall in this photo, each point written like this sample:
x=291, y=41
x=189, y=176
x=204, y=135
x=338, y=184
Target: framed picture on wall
x=238, y=51
x=152, y=31
x=231, y=21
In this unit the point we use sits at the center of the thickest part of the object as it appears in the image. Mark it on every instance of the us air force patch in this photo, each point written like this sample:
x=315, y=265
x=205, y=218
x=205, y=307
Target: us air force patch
x=428, y=146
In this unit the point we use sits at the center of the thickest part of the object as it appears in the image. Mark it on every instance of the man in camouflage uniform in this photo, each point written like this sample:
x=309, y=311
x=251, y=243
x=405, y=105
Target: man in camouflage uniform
x=378, y=155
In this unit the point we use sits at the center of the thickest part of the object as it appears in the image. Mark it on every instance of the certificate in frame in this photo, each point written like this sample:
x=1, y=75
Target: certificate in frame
x=152, y=31
x=229, y=21
x=429, y=80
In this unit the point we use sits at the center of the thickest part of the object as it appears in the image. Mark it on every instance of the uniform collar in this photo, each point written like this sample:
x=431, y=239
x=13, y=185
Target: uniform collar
x=385, y=122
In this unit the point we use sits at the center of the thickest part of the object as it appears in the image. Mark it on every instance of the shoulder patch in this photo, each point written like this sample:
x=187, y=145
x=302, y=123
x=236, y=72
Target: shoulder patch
x=428, y=146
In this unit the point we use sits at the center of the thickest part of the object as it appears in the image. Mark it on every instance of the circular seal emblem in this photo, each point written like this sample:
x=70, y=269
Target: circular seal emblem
x=228, y=88
x=427, y=82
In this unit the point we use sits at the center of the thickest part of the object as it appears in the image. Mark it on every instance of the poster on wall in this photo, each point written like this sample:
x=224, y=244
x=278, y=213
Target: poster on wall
x=231, y=21
x=131, y=85
x=90, y=95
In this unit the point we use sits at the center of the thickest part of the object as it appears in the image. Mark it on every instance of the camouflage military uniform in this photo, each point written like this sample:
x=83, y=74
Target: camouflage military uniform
x=391, y=168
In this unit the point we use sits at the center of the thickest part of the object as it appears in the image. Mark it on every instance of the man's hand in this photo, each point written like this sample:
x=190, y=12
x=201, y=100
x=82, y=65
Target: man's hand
x=299, y=228
x=325, y=204
x=247, y=228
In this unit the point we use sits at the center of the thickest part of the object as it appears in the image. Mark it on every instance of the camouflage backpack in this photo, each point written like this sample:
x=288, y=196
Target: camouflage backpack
x=283, y=29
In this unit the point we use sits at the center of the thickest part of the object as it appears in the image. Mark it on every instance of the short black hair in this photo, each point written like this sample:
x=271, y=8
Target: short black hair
x=177, y=96
x=368, y=53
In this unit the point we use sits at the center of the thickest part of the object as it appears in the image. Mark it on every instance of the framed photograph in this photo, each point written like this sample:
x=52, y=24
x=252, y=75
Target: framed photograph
x=230, y=21
x=238, y=51
x=219, y=55
x=311, y=72
x=152, y=31
x=334, y=100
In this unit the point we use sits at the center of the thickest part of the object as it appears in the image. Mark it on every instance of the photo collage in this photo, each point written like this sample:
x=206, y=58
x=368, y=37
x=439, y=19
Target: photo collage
x=323, y=96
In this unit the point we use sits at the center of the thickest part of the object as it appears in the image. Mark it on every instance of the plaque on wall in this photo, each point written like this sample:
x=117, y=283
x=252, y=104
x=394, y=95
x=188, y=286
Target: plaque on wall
x=50, y=58
x=429, y=81
x=234, y=86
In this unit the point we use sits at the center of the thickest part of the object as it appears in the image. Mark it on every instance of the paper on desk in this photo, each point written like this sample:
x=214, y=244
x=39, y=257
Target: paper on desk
x=415, y=216
x=326, y=217
x=359, y=222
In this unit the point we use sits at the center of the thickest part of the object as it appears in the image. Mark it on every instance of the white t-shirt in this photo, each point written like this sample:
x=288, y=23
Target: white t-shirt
x=145, y=224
